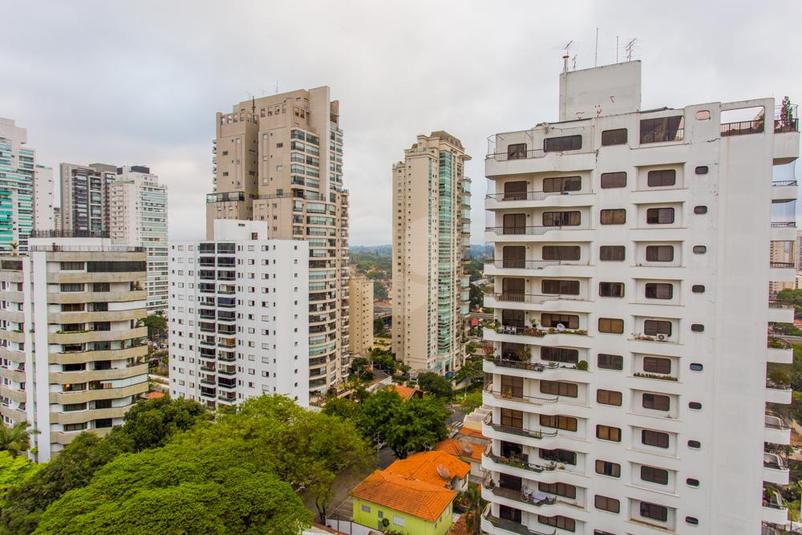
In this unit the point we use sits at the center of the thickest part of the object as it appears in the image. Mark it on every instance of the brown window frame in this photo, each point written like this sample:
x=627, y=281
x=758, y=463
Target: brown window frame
x=657, y=252
x=551, y=319
x=657, y=327
x=613, y=137
x=655, y=439
x=561, y=218
x=659, y=290
x=611, y=362
x=604, y=503
x=559, y=489
x=656, y=365
x=561, y=252
x=562, y=143
x=559, y=184
x=559, y=388
x=613, y=216
x=559, y=287
x=602, y=466
x=559, y=354
x=653, y=474
x=559, y=421
x=660, y=178
x=611, y=325
x=654, y=511
x=606, y=250
x=656, y=402
x=608, y=432
x=611, y=289
x=517, y=151
x=613, y=180
x=609, y=397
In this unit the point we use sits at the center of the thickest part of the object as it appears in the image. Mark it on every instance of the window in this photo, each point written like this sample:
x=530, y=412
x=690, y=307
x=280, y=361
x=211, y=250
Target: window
x=612, y=253
x=562, y=219
x=560, y=489
x=659, y=216
x=608, y=397
x=695, y=444
x=614, y=137
x=698, y=288
x=72, y=287
x=613, y=216
x=695, y=405
x=692, y=520
x=703, y=115
x=72, y=266
x=610, y=362
x=701, y=170
x=365, y=508
x=656, y=365
x=516, y=151
x=399, y=521
x=659, y=253
x=611, y=325
x=701, y=209
x=661, y=177
x=551, y=286
x=562, y=522
x=656, y=328
x=607, y=504
x=653, y=511
x=607, y=468
x=656, y=402
x=512, y=386
x=659, y=290
x=558, y=388
x=661, y=129
x=515, y=191
x=560, y=252
x=563, y=183
x=566, y=423
x=699, y=249
x=611, y=289
x=654, y=475
x=557, y=144
x=697, y=327
x=654, y=438
x=605, y=432
x=559, y=354
x=695, y=366
x=553, y=320
x=558, y=456
x=614, y=180
x=511, y=418
x=691, y=482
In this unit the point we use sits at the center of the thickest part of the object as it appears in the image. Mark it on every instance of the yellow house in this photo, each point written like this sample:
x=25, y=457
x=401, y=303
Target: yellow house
x=413, y=496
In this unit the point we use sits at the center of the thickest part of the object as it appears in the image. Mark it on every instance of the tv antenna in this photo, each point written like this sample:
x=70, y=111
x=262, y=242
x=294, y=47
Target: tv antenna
x=567, y=54
x=630, y=47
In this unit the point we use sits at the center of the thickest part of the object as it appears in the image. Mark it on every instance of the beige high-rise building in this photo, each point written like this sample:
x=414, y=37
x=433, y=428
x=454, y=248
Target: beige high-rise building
x=279, y=159
x=431, y=233
x=73, y=351
x=360, y=312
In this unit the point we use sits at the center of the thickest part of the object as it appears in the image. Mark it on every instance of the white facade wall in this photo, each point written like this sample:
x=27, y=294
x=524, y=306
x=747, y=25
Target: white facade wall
x=43, y=210
x=706, y=433
x=235, y=339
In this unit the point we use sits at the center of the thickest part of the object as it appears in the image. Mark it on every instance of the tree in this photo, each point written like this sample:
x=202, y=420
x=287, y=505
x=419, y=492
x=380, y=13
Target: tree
x=157, y=326
x=471, y=370
x=379, y=291
x=342, y=408
x=435, y=384
x=384, y=360
x=472, y=401
x=378, y=410
x=151, y=423
x=13, y=472
x=15, y=439
x=418, y=425
x=474, y=504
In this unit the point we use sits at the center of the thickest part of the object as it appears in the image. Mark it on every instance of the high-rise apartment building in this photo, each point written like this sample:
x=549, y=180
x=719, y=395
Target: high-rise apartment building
x=85, y=197
x=73, y=356
x=239, y=316
x=360, y=312
x=629, y=390
x=431, y=234
x=43, y=209
x=18, y=191
x=138, y=216
x=278, y=159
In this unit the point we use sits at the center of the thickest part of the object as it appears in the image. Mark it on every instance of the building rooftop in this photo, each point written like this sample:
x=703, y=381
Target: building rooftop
x=418, y=498
x=461, y=448
x=435, y=467
x=404, y=391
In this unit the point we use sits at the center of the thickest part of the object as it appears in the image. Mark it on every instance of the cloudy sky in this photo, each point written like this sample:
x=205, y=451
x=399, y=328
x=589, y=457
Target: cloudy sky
x=139, y=82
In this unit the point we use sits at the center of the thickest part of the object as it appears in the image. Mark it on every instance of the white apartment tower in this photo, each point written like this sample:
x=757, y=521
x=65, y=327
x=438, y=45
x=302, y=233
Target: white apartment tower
x=431, y=233
x=629, y=391
x=73, y=355
x=239, y=316
x=138, y=216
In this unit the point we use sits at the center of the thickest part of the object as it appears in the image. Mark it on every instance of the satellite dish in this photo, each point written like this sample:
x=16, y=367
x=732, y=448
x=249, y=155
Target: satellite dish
x=560, y=327
x=442, y=471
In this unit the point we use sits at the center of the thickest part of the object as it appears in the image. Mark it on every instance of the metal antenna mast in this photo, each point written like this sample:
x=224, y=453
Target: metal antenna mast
x=630, y=48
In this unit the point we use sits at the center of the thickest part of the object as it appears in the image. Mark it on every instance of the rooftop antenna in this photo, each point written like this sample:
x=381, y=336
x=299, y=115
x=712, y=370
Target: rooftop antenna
x=567, y=55
x=616, y=48
x=573, y=62
x=596, y=53
x=630, y=47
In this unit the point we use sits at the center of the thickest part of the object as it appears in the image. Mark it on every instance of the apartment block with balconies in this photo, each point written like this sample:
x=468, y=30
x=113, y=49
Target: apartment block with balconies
x=73, y=352
x=628, y=352
x=239, y=316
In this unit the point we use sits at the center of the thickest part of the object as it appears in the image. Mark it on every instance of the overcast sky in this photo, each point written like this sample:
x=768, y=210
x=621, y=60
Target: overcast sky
x=139, y=82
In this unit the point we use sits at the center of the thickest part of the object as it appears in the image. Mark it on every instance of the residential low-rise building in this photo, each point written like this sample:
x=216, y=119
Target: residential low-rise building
x=238, y=316
x=72, y=348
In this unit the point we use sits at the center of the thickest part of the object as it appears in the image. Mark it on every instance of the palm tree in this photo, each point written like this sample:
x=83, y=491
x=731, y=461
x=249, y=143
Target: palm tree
x=472, y=499
x=15, y=439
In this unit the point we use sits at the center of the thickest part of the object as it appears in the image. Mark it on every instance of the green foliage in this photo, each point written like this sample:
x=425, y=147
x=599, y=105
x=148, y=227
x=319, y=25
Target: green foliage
x=13, y=472
x=377, y=413
x=419, y=424
x=342, y=408
x=472, y=401
x=15, y=439
x=379, y=291
x=148, y=424
x=788, y=329
x=434, y=383
x=384, y=360
x=156, y=324
x=582, y=365
x=472, y=370
x=477, y=296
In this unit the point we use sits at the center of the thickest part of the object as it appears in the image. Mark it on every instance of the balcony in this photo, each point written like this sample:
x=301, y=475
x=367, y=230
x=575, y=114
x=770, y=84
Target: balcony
x=513, y=399
x=502, y=526
x=519, y=466
x=528, y=199
x=782, y=231
x=779, y=351
x=778, y=393
x=534, y=232
x=780, y=312
x=774, y=510
x=784, y=190
x=513, y=267
x=547, y=302
x=776, y=431
x=517, y=431
x=786, y=134
x=775, y=469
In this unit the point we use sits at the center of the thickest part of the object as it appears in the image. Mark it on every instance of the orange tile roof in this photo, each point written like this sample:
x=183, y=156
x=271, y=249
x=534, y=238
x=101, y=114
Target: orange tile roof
x=468, y=432
x=404, y=391
x=461, y=448
x=154, y=395
x=418, y=498
x=426, y=466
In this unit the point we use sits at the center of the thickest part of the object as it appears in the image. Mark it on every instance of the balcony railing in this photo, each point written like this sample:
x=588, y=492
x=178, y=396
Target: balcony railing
x=510, y=297
x=531, y=366
x=783, y=224
x=775, y=422
x=740, y=128
x=519, y=396
x=514, y=527
x=515, y=263
x=531, y=230
x=781, y=264
x=534, y=195
x=516, y=462
x=520, y=431
x=780, y=183
x=535, y=331
x=525, y=496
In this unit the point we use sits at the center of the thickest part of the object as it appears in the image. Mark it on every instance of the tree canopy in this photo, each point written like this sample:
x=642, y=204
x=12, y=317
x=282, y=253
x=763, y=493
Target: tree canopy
x=15, y=439
x=434, y=383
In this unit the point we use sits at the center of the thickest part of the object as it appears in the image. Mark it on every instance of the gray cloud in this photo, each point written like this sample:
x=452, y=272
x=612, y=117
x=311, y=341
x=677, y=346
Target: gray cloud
x=140, y=82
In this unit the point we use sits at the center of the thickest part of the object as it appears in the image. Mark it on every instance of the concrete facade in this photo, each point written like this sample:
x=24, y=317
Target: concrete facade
x=85, y=197
x=360, y=313
x=19, y=170
x=431, y=233
x=629, y=390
